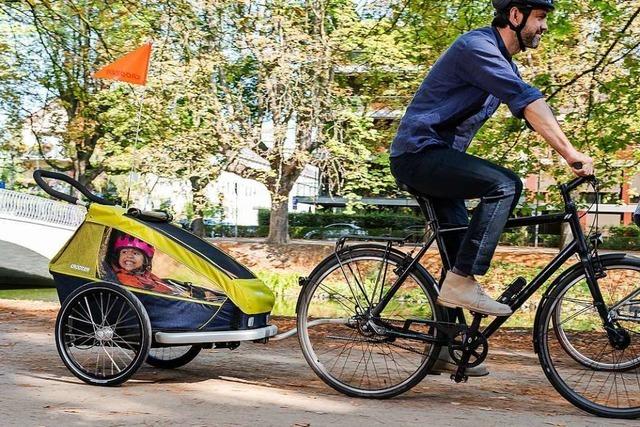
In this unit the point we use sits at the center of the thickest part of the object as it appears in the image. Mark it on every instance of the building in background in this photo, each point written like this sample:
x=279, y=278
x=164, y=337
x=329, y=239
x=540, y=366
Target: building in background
x=239, y=198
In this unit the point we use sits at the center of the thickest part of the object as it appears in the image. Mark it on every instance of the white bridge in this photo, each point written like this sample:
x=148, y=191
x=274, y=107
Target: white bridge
x=39, y=224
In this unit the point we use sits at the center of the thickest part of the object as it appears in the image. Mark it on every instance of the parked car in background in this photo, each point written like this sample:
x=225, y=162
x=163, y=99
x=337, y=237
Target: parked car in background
x=184, y=223
x=335, y=231
x=222, y=229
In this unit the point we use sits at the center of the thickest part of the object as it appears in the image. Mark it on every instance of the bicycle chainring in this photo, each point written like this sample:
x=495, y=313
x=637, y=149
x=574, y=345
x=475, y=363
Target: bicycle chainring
x=477, y=345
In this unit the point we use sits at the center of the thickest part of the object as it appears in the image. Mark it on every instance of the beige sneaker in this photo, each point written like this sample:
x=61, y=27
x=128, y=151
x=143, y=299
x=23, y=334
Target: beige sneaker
x=446, y=364
x=460, y=291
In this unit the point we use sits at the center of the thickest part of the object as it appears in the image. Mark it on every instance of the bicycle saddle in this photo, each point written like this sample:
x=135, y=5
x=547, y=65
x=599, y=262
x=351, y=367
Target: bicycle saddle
x=410, y=190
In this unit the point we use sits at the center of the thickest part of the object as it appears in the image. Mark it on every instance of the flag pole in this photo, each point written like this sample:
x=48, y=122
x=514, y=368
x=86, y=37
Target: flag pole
x=138, y=119
x=135, y=146
x=132, y=68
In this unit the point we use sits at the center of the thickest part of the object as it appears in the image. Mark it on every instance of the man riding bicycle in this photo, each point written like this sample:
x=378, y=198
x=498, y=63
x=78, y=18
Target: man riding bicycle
x=461, y=91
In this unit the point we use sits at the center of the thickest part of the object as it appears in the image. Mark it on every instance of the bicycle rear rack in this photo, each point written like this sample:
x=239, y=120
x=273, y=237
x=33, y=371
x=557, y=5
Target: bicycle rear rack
x=400, y=241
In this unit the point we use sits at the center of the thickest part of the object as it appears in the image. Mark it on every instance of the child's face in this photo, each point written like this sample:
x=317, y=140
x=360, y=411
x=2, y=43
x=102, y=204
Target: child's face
x=131, y=259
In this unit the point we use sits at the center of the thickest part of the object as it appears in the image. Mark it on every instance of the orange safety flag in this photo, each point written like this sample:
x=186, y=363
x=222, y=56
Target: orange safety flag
x=131, y=68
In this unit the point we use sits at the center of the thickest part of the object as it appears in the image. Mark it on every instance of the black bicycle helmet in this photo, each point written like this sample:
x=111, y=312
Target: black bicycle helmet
x=501, y=5
x=526, y=6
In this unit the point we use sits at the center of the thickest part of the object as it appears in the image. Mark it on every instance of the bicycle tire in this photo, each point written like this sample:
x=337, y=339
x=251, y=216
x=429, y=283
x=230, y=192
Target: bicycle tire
x=165, y=358
x=429, y=356
x=92, y=324
x=574, y=368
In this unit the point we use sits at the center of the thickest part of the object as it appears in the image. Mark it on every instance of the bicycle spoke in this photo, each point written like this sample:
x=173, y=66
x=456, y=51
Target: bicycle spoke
x=598, y=366
x=573, y=316
x=110, y=358
x=81, y=316
x=382, y=274
x=579, y=301
x=335, y=293
x=101, y=351
x=80, y=320
x=351, y=288
x=355, y=355
x=81, y=331
x=361, y=283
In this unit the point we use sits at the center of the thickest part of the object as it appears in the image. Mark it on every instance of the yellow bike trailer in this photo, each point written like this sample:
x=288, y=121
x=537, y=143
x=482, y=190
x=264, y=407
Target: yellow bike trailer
x=134, y=287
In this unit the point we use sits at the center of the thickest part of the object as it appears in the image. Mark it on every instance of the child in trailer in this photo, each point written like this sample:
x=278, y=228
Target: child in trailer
x=133, y=260
x=132, y=265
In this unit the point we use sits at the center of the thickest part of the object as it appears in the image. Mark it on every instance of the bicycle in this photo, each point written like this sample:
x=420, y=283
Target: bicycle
x=369, y=325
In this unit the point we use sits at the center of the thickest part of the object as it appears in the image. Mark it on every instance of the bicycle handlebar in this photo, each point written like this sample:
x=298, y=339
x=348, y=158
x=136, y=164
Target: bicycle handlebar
x=39, y=174
x=577, y=181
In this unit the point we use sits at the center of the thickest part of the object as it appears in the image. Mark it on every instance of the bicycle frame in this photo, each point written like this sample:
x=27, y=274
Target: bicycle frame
x=577, y=246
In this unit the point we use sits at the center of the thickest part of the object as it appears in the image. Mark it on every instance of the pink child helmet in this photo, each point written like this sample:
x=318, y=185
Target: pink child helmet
x=126, y=241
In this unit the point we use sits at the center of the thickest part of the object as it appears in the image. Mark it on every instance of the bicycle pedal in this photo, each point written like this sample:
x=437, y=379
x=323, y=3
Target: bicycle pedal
x=457, y=380
x=475, y=313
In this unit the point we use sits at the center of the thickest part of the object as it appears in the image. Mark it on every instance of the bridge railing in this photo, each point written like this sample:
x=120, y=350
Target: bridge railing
x=34, y=208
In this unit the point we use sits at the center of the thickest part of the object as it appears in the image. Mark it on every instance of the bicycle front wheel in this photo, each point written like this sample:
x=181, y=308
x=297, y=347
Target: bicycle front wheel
x=356, y=353
x=596, y=369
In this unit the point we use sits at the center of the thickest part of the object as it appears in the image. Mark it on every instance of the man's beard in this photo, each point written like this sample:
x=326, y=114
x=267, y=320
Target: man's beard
x=532, y=40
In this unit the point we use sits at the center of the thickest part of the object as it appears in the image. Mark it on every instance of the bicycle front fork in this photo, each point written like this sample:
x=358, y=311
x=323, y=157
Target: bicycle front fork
x=618, y=337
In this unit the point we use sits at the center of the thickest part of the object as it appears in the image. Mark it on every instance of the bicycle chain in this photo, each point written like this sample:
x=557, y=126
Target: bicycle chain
x=407, y=348
x=370, y=340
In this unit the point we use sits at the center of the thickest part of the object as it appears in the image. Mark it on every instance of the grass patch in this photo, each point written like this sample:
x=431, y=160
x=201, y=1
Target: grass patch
x=286, y=289
x=33, y=294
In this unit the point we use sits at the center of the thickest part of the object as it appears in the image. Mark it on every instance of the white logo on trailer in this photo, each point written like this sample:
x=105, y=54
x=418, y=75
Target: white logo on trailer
x=80, y=268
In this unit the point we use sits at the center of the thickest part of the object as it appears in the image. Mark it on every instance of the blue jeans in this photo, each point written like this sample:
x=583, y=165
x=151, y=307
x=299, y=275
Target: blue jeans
x=448, y=177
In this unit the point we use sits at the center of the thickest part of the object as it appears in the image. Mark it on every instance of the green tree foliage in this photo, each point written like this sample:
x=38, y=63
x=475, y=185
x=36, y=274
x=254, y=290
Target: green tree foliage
x=587, y=66
x=49, y=51
x=325, y=80
x=189, y=58
x=266, y=101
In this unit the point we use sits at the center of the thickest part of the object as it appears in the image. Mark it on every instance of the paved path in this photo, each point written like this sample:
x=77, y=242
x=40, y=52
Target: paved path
x=260, y=385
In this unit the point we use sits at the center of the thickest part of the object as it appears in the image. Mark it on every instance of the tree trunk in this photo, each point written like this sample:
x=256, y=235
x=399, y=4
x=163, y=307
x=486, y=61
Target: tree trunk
x=199, y=204
x=197, y=226
x=279, y=221
x=565, y=235
x=80, y=174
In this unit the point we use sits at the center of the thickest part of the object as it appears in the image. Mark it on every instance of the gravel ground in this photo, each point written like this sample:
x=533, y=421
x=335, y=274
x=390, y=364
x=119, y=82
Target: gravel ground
x=261, y=384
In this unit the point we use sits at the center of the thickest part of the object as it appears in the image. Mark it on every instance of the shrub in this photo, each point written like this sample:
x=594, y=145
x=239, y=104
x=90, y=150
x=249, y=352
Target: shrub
x=621, y=243
x=625, y=231
x=515, y=237
x=382, y=220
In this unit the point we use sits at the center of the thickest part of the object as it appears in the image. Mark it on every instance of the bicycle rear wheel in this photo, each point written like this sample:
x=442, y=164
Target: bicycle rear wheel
x=102, y=333
x=349, y=350
x=592, y=371
x=172, y=357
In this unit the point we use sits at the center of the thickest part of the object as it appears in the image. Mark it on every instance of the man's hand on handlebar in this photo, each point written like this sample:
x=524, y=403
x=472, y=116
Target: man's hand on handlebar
x=581, y=164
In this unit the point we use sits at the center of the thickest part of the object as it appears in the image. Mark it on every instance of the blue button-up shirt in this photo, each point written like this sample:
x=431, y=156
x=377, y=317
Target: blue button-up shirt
x=461, y=91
